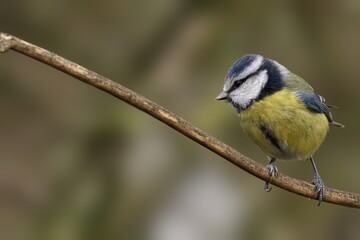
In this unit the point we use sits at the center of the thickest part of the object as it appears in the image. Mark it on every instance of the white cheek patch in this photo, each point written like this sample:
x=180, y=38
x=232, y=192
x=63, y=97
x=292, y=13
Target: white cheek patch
x=249, y=90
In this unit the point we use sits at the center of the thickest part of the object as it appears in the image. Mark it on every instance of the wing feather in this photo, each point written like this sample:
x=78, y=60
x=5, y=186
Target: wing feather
x=316, y=103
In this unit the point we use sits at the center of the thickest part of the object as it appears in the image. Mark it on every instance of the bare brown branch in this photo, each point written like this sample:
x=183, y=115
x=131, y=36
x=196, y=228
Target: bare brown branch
x=300, y=187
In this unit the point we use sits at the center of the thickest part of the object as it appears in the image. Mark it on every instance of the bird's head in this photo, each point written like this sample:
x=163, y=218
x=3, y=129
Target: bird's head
x=251, y=78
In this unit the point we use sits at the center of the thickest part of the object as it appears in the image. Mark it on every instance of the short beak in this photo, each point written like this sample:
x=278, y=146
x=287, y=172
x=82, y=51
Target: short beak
x=223, y=95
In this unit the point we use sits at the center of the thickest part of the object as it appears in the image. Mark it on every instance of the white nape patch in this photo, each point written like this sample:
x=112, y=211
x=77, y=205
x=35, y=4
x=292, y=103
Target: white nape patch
x=283, y=70
x=249, y=90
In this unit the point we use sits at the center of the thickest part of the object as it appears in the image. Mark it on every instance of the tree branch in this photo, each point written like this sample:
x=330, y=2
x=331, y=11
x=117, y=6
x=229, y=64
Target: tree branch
x=285, y=182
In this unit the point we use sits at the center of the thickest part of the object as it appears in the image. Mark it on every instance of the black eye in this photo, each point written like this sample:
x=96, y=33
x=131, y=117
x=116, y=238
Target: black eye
x=238, y=83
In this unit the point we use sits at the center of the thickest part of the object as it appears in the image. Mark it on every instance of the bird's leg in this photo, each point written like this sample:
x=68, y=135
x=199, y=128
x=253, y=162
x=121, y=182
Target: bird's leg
x=319, y=185
x=272, y=172
x=272, y=169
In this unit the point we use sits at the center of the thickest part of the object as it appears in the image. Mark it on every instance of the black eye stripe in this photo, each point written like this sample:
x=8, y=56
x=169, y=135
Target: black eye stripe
x=239, y=82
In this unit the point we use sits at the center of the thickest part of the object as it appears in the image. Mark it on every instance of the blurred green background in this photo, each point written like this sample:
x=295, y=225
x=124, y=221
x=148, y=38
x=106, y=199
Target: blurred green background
x=76, y=163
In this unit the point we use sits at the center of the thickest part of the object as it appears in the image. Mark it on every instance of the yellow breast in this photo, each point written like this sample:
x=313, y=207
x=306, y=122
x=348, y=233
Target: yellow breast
x=283, y=127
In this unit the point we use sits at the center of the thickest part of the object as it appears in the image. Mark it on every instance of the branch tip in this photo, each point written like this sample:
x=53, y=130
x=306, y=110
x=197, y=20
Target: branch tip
x=5, y=42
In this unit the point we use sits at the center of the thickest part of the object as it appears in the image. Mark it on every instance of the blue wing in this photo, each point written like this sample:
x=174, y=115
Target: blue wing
x=316, y=103
x=313, y=101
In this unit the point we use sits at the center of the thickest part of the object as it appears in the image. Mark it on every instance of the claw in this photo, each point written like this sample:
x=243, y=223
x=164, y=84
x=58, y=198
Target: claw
x=272, y=173
x=272, y=170
x=319, y=187
x=267, y=187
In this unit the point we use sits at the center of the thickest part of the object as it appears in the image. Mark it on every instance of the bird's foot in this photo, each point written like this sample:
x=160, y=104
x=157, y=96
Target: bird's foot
x=319, y=187
x=272, y=172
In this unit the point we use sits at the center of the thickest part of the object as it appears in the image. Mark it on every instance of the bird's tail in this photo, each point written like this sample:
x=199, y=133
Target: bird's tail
x=332, y=122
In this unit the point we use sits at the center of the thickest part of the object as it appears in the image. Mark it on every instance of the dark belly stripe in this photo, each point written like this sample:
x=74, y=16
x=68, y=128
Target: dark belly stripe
x=270, y=136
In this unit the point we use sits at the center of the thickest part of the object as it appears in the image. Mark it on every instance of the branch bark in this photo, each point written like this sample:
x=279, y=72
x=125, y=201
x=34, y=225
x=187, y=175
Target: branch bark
x=293, y=185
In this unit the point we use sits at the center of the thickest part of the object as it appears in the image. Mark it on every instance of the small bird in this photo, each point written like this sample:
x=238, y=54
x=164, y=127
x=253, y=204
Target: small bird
x=279, y=111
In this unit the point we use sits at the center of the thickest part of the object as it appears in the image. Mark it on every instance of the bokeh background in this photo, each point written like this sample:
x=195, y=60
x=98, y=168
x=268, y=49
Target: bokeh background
x=76, y=163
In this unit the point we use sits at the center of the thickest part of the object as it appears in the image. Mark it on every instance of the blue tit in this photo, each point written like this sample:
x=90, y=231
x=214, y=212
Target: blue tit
x=279, y=111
